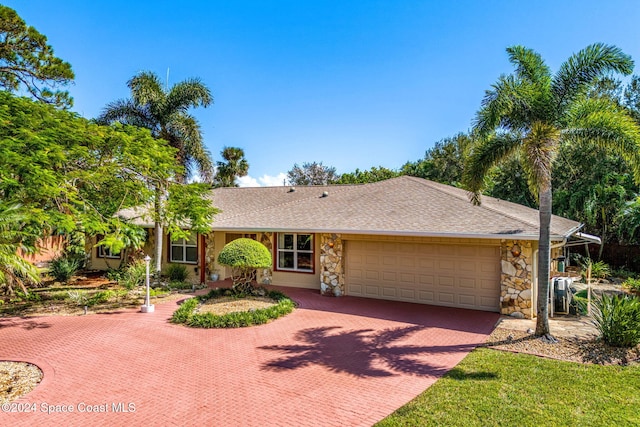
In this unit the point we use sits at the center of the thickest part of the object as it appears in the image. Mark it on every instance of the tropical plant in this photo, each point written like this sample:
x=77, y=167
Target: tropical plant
x=617, y=318
x=15, y=270
x=531, y=112
x=62, y=268
x=244, y=256
x=234, y=166
x=632, y=284
x=134, y=274
x=165, y=113
x=177, y=273
x=26, y=60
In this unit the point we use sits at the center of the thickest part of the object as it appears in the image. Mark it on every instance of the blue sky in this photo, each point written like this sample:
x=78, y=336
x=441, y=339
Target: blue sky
x=353, y=84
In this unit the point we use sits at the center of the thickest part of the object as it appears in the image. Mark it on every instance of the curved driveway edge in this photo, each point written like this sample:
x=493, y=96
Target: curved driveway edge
x=332, y=362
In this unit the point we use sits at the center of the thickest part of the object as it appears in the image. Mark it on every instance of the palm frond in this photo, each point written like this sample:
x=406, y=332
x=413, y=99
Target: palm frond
x=600, y=122
x=196, y=157
x=484, y=155
x=146, y=88
x=580, y=70
x=529, y=65
x=189, y=93
x=127, y=112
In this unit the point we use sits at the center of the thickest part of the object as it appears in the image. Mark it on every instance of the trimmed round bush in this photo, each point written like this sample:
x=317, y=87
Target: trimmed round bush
x=244, y=256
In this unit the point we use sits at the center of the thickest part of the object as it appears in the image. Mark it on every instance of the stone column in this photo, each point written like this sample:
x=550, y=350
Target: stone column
x=331, y=265
x=265, y=275
x=210, y=255
x=516, y=278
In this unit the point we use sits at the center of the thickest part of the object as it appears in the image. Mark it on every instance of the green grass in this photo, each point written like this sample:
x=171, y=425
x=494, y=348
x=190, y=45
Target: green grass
x=494, y=388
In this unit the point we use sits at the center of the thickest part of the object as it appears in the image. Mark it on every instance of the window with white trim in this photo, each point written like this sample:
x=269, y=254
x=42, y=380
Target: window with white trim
x=295, y=252
x=184, y=250
x=104, y=252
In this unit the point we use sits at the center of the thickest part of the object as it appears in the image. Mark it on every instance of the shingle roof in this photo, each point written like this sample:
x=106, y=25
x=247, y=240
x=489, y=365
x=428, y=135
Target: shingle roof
x=400, y=206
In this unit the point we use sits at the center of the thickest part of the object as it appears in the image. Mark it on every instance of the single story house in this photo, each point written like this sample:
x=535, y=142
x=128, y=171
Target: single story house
x=405, y=239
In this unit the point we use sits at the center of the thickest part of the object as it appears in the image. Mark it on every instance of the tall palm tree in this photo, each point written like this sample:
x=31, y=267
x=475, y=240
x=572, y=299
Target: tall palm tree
x=235, y=166
x=531, y=112
x=165, y=112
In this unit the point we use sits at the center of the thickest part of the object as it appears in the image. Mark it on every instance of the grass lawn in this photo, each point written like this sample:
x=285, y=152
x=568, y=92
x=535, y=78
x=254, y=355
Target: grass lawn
x=494, y=388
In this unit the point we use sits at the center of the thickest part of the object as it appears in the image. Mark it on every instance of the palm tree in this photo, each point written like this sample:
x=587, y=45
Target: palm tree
x=235, y=166
x=165, y=113
x=531, y=112
x=14, y=269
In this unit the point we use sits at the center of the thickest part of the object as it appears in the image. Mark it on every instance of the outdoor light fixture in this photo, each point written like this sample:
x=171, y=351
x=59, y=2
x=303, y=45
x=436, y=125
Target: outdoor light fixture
x=147, y=307
x=516, y=251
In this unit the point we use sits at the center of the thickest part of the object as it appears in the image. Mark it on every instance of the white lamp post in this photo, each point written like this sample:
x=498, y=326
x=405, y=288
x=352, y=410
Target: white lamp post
x=147, y=307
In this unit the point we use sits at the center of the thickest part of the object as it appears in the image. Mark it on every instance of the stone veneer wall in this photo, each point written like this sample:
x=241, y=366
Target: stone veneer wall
x=331, y=265
x=516, y=278
x=210, y=255
x=266, y=275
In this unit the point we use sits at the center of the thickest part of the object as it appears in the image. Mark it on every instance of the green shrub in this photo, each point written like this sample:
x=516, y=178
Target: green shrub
x=63, y=268
x=100, y=297
x=135, y=274
x=617, y=318
x=78, y=297
x=185, y=311
x=600, y=270
x=244, y=256
x=632, y=284
x=177, y=273
x=180, y=285
x=185, y=314
x=20, y=296
x=115, y=275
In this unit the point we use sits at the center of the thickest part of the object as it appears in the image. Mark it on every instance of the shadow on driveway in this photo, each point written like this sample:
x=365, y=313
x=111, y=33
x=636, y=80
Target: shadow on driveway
x=361, y=353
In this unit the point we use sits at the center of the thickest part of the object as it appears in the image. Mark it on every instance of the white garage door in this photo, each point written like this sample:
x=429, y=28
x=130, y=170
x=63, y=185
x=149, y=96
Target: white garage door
x=451, y=275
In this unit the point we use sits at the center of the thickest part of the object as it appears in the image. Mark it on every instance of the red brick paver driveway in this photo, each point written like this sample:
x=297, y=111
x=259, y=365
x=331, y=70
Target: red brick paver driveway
x=332, y=362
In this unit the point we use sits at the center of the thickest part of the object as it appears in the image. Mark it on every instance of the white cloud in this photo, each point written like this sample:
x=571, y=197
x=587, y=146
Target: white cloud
x=263, y=181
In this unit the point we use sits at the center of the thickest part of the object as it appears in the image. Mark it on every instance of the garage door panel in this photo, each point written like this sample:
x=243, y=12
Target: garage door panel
x=371, y=275
x=446, y=298
x=467, y=282
x=446, y=281
x=407, y=294
x=452, y=275
x=407, y=278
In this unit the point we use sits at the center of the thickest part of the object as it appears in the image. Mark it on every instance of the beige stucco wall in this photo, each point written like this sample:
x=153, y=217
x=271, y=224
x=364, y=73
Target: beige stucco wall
x=104, y=264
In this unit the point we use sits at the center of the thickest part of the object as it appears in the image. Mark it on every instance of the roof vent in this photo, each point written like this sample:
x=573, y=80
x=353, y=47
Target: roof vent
x=292, y=189
x=325, y=194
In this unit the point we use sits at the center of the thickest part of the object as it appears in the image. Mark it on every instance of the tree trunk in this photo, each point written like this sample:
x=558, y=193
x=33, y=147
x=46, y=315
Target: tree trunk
x=159, y=235
x=544, y=248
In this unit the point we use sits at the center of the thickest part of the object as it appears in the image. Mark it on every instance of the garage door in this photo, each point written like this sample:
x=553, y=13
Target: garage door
x=451, y=275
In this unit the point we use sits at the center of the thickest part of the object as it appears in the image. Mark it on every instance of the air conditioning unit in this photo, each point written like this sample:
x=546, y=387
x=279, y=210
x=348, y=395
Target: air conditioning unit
x=560, y=294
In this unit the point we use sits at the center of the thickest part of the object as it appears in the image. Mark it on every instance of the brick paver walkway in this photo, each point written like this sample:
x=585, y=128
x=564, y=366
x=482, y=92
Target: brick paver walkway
x=332, y=362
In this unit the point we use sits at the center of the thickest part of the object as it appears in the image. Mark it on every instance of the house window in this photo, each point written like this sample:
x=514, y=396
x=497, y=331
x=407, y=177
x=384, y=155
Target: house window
x=295, y=252
x=104, y=252
x=184, y=250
